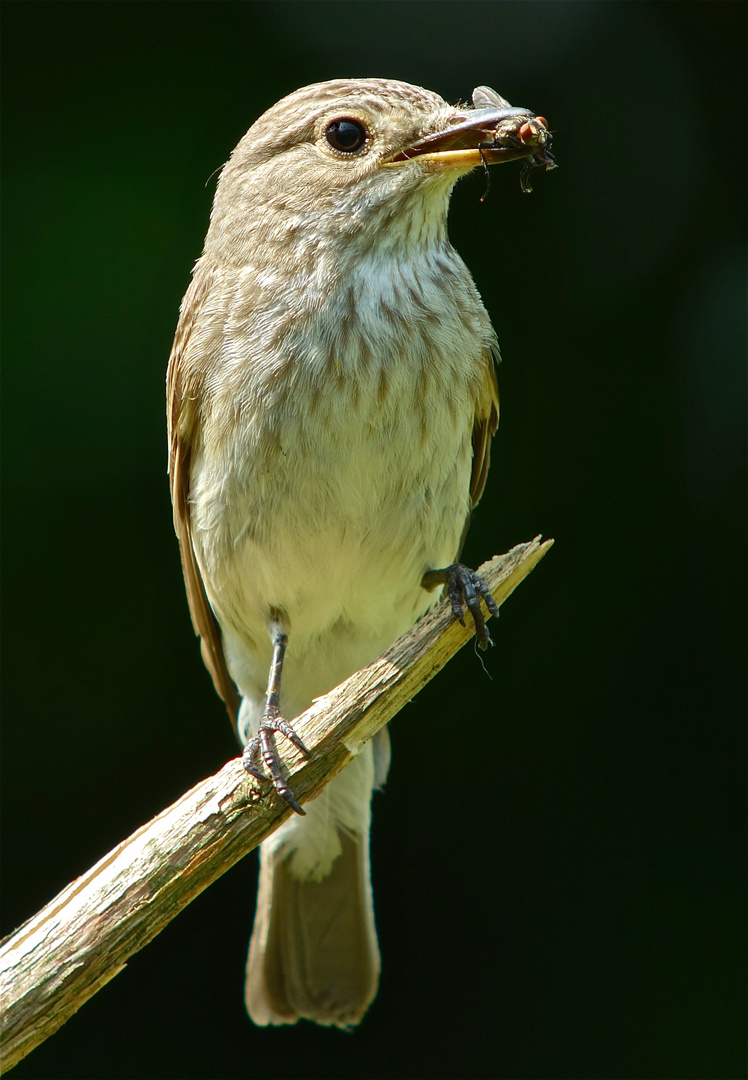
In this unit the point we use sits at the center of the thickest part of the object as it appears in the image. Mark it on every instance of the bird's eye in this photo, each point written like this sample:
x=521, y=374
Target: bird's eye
x=346, y=136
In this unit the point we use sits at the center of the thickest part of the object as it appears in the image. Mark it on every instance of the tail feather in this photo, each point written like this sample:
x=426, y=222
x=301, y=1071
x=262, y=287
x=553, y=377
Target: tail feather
x=313, y=953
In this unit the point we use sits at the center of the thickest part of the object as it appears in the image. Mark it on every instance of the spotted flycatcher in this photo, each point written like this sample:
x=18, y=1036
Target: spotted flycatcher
x=331, y=400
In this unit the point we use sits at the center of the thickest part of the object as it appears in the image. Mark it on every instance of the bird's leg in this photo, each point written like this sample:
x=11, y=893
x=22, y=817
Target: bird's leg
x=465, y=589
x=262, y=744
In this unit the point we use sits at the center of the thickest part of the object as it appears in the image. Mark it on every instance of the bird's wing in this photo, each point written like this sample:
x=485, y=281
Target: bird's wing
x=182, y=397
x=484, y=428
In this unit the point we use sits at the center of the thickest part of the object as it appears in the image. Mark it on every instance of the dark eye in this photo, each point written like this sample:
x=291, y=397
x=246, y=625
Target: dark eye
x=346, y=136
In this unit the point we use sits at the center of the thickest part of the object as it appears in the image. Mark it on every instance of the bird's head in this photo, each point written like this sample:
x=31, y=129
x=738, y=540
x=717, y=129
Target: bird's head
x=374, y=157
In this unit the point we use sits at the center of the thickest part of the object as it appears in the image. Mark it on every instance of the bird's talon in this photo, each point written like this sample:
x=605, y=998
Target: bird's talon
x=465, y=589
x=262, y=745
x=253, y=770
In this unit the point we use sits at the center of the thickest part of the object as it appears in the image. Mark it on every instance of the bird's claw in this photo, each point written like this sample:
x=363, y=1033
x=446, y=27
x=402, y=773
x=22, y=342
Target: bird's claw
x=465, y=589
x=262, y=746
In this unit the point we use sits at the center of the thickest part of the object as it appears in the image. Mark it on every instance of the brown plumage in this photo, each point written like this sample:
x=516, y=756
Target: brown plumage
x=331, y=399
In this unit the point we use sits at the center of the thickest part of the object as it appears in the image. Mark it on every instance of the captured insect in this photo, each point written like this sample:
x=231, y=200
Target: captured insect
x=519, y=134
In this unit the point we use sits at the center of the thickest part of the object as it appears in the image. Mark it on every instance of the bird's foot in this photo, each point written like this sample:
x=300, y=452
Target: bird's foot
x=465, y=589
x=262, y=746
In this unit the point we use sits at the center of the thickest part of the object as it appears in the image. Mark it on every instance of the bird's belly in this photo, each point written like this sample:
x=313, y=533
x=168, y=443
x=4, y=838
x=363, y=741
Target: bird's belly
x=333, y=529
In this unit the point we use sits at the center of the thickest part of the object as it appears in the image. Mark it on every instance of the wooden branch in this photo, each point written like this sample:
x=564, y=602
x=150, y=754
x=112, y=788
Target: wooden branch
x=59, y=959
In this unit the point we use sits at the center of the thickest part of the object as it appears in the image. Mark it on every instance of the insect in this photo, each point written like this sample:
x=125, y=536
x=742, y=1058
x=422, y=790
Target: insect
x=518, y=135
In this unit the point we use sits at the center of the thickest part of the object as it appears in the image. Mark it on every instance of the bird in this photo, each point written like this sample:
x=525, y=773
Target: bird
x=331, y=401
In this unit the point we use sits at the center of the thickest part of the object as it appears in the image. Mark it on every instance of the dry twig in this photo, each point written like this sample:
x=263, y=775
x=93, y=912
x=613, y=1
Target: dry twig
x=58, y=959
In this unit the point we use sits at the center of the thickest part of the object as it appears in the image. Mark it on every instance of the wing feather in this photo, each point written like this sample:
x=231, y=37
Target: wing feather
x=484, y=429
x=182, y=393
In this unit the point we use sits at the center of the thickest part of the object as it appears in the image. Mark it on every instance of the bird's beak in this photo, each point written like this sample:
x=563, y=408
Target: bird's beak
x=481, y=137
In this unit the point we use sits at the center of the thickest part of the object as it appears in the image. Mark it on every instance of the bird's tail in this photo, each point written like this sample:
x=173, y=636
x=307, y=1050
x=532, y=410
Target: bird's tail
x=313, y=953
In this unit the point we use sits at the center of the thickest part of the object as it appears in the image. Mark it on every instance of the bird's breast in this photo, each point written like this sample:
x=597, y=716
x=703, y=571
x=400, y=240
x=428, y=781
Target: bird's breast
x=334, y=462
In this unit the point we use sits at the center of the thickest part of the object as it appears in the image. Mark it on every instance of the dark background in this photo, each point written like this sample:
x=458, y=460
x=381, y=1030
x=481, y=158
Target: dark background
x=573, y=904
